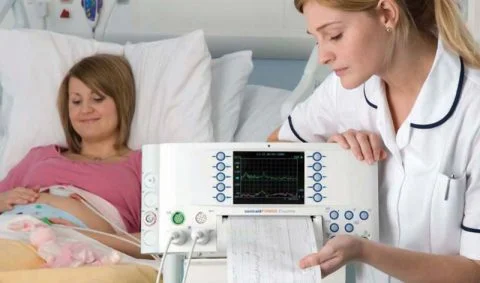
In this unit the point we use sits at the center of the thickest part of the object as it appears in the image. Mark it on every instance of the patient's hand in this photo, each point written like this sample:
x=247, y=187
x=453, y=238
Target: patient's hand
x=61, y=221
x=17, y=196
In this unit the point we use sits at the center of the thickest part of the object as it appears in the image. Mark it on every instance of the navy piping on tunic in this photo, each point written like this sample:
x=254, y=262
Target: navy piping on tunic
x=450, y=112
x=366, y=99
x=294, y=131
x=468, y=229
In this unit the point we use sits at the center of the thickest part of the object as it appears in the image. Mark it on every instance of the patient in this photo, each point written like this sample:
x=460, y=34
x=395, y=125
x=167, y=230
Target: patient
x=96, y=104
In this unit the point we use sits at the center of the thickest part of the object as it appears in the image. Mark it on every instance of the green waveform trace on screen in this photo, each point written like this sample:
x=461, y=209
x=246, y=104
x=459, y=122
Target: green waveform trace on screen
x=248, y=177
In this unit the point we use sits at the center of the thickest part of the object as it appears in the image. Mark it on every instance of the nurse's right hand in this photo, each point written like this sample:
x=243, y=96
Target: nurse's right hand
x=17, y=196
x=366, y=146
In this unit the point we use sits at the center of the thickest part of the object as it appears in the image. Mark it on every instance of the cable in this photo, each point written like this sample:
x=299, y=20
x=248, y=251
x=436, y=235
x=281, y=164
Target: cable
x=174, y=236
x=107, y=23
x=108, y=221
x=105, y=234
x=195, y=239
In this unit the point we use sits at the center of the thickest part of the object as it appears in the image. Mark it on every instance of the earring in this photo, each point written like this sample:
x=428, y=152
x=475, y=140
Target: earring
x=388, y=29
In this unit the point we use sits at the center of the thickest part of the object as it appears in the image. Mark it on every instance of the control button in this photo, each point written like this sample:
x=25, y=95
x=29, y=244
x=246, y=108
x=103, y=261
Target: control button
x=334, y=214
x=348, y=215
x=364, y=215
x=317, y=197
x=220, y=166
x=317, y=156
x=349, y=228
x=178, y=218
x=150, y=218
x=149, y=180
x=220, y=156
x=334, y=227
x=220, y=177
x=317, y=166
x=220, y=187
x=201, y=218
x=317, y=177
x=220, y=197
x=317, y=187
x=148, y=238
x=150, y=200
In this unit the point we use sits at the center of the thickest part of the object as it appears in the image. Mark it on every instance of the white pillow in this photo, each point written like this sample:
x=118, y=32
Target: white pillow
x=230, y=75
x=173, y=79
x=260, y=114
x=33, y=63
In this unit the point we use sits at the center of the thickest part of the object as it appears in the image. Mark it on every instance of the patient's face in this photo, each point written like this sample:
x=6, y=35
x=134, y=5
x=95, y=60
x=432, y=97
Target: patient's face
x=353, y=44
x=93, y=115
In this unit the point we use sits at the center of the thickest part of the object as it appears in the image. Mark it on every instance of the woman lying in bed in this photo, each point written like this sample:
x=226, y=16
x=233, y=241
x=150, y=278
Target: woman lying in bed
x=96, y=104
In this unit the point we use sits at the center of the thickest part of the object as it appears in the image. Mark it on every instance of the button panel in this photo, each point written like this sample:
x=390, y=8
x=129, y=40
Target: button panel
x=352, y=220
x=316, y=173
x=221, y=163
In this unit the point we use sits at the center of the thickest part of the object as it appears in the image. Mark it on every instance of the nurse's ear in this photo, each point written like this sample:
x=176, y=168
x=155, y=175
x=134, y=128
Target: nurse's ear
x=388, y=12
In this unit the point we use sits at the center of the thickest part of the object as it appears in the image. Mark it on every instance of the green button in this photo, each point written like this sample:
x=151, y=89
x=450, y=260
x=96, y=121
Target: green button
x=178, y=218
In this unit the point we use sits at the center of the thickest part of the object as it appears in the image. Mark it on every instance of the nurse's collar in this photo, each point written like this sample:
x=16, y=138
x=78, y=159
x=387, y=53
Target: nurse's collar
x=439, y=96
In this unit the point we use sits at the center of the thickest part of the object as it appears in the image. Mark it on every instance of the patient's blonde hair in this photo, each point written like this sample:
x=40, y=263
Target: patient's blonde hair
x=437, y=17
x=107, y=74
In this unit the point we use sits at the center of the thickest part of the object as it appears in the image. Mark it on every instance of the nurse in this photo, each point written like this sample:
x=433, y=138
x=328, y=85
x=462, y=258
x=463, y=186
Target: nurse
x=405, y=79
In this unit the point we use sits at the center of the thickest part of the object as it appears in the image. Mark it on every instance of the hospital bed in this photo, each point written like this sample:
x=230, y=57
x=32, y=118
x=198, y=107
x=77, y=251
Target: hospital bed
x=261, y=109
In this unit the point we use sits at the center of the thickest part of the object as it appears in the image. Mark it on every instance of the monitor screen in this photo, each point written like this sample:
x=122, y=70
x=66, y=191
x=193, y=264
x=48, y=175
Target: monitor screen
x=268, y=177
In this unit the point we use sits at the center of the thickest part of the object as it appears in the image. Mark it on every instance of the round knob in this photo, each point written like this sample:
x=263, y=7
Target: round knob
x=149, y=180
x=178, y=218
x=317, y=166
x=317, y=156
x=349, y=228
x=317, y=197
x=220, y=197
x=220, y=156
x=317, y=187
x=220, y=166
x=201, y=218
x=220, y=177
x=317, y=177
x=220, y=187
x=334, y=214
x=364, y=215
x=150, y=218
x=150, y=200
x=334, y=227
x=349, y=215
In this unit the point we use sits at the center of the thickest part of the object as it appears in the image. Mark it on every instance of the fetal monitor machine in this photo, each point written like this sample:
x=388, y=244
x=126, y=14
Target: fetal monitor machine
x=192, y=188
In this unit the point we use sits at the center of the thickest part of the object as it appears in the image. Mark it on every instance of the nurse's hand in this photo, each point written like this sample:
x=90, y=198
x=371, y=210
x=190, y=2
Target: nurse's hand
x=366, y=146
x=17, y=196
x=336, y=253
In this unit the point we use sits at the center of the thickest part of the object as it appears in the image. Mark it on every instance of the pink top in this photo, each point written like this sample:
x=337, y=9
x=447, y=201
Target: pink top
x=118, y=183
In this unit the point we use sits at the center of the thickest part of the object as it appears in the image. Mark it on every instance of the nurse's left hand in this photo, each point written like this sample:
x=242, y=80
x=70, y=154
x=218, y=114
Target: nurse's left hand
x=336, y=253
x=366, y=146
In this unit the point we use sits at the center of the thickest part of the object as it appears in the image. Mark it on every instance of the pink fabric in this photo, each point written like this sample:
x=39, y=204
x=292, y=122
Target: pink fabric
x=62, y=254
x=118, y=183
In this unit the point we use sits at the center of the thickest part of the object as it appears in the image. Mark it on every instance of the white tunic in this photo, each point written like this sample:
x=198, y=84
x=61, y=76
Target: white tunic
x=429, y=186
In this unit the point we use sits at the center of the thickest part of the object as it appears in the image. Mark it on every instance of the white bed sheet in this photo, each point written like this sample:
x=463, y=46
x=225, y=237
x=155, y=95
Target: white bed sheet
x=260, y=113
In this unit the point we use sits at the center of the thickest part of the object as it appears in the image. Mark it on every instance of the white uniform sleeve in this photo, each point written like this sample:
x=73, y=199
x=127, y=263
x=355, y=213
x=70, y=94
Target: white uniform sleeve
x=314, y=119
x=470, y=237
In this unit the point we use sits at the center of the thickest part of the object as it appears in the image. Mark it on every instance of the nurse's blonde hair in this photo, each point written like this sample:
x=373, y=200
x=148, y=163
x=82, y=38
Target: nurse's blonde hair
x=442, y=19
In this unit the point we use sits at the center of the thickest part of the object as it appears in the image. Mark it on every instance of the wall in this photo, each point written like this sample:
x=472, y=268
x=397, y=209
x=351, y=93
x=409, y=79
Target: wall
x=277, y=73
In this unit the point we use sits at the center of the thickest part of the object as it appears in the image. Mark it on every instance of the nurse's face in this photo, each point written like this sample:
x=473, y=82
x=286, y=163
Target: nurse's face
x=352, y=44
